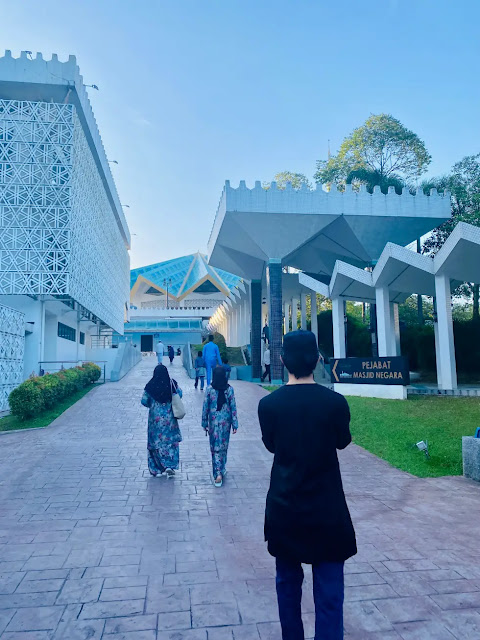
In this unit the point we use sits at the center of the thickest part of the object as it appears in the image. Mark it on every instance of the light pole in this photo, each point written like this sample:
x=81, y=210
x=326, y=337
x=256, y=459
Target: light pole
x=166, y=284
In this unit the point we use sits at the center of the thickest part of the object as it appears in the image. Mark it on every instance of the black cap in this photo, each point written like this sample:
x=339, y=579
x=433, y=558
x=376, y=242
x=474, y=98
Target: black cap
x=298, y=343
x=300, y=353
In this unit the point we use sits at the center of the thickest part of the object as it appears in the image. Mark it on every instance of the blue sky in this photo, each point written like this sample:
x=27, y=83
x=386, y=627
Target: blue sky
x=193, y=92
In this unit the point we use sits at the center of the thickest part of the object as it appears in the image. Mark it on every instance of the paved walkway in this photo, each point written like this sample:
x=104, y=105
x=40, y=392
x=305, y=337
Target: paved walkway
x=92, y=547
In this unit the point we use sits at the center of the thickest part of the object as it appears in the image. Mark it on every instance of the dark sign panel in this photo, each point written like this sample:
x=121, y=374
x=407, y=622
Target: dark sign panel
x=371, y=370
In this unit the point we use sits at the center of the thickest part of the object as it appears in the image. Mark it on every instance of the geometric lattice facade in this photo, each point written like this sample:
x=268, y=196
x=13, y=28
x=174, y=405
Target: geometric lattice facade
x=58, y=234
x=12, y=347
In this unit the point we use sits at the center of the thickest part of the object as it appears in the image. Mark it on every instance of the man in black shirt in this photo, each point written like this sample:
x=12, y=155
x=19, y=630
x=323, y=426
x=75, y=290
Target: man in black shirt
x=306, y=516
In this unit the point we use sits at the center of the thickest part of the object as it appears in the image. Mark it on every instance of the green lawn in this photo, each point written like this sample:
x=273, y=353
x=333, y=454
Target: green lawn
x=11, y=423
x=390, y=429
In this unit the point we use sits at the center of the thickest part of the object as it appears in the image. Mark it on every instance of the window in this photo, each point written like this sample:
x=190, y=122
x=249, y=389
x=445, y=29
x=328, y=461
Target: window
x=82, y=337
x=66, y=332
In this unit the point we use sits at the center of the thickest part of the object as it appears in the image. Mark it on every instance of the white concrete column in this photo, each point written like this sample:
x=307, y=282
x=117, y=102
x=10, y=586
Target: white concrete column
x=384, y=322
x=228, y=331
x=395, y=336
x=294, y=314
x=446, y=350
x=303, y=311
x=286, y=318
x=314, y=311
x=233, y=327
x=338, y=320
x=236, y=316
x=437, y=352
x=239, y=323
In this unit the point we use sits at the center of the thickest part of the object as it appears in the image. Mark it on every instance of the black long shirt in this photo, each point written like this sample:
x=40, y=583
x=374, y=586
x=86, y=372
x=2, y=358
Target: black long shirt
x=306, y=515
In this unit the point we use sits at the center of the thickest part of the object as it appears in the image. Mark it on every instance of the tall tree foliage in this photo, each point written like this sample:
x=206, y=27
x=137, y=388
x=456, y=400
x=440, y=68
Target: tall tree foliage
x=464, y=186
x=381, y=152
x=297, y=180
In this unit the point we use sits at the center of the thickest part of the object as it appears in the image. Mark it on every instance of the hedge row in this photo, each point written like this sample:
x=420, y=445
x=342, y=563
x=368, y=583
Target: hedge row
x=417, y=342
x=43, y=392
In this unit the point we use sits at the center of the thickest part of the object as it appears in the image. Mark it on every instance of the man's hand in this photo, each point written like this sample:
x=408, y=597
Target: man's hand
x=234, y=431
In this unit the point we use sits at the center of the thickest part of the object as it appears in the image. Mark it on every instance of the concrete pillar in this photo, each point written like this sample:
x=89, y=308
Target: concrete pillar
x=294, y=314
x=275, y=316
x=246, y=323
x=314, y=311
x=229, y=325
x=437, y=347
x=338, y=320
x=256, y=328
x=286, y=318
x=303, y=311
x=395, y=337
x=233, y=335
x=446, y=350
x=241, y=322
x=384, y=322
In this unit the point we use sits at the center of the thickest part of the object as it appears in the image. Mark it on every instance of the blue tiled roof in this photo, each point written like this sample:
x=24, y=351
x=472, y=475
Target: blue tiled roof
x=185, y=273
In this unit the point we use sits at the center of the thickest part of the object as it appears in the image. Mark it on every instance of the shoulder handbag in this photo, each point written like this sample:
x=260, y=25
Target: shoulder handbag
x=177, y=404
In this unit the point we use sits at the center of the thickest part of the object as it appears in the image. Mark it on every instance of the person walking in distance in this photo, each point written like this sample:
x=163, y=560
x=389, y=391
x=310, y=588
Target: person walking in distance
x=266, y=362
x=159, y=349
x=219, y=417
x=164, y=433
x=199, y=370
x=171, y=353
x=306, y=517
x=227, y=367
x=211, y=355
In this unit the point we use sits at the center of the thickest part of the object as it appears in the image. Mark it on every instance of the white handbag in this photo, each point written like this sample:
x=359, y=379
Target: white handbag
x=178, y=407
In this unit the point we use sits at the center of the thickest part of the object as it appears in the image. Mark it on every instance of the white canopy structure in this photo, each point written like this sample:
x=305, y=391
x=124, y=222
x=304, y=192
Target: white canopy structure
x=398, y=273
x=258, y=232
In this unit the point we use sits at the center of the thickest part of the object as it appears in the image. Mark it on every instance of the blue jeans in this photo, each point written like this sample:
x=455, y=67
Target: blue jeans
x=327, y=594
x=209, y=367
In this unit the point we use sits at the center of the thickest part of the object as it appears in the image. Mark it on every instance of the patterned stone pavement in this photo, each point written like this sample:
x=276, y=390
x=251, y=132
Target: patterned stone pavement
x=92, y=547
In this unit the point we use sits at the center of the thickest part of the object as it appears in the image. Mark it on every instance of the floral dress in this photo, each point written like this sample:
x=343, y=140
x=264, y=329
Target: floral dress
x=163, y=435
x=219, y=424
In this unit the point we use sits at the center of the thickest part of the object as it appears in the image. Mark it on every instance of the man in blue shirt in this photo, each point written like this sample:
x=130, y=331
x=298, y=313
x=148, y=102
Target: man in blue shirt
x=211, y=355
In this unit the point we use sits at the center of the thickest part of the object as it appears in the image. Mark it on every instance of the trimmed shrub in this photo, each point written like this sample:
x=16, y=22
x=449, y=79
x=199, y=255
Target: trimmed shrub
x=418, y=345
x=359, y=341
x=26, y=400
x=44, y=392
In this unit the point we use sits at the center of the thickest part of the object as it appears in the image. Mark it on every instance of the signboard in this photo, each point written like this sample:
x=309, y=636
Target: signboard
x=378, y=370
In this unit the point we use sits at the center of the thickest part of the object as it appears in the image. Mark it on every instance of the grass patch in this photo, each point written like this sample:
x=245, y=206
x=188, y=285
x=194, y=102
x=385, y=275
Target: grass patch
x=12, y=423
x=390, y=428
x=270, y=387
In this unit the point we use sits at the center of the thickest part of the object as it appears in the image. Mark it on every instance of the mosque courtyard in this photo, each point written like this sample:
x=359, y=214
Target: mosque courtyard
x=93, y=547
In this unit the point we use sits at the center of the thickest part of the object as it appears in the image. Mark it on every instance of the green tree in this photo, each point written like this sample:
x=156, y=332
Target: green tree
x=381, y=152
x=464, y=186
x=297, y=180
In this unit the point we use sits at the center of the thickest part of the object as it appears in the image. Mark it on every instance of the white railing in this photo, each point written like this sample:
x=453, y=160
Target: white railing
x=191, y=304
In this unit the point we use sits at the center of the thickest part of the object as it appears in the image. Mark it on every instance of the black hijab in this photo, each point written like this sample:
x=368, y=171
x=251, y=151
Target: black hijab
x=160, y=386
x=220, y=384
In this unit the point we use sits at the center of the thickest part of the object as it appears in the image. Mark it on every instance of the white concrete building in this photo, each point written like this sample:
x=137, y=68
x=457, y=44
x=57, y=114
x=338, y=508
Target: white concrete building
x=64, y=239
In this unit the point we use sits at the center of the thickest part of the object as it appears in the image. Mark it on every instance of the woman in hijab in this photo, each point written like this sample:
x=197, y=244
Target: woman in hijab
x=163, y=430
x=218, y=418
